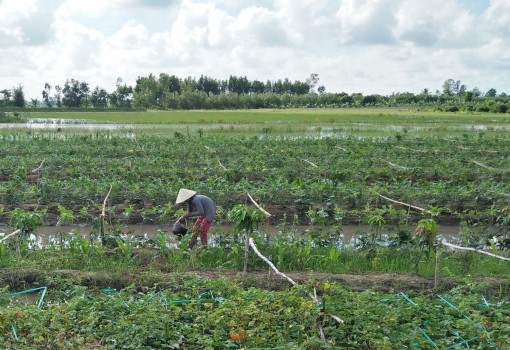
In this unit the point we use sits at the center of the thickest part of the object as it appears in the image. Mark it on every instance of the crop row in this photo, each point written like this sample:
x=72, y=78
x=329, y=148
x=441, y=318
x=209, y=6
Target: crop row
x=462, y=176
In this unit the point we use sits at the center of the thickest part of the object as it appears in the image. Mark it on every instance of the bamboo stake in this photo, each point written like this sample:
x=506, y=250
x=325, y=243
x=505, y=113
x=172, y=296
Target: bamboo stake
x=221, y=165
x=318, y=322
x=258, y=206
x=10, y=235
x=395, y=165
x=103, y=213
x=312, y=164
x=473, y=250
x=405, y=204
x=483, y=165
x=246, y=251
x=291, y=281
x=437, y=270
x=411, y=149
x=38, y=168
x=501, y=194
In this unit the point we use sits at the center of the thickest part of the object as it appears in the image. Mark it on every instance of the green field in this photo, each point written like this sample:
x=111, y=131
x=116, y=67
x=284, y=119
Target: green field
x=292, y=116
x=396, y=176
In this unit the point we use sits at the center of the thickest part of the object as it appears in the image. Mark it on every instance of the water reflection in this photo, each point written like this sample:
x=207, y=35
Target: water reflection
x=348, y=236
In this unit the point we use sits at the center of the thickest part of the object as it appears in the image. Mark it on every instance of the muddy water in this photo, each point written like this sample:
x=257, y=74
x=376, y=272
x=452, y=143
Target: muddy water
x=349, y=233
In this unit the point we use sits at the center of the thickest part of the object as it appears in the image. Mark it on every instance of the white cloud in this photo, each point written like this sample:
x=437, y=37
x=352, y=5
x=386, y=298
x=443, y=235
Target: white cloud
x=367, y=22
x=25, y=22
x=368, y=46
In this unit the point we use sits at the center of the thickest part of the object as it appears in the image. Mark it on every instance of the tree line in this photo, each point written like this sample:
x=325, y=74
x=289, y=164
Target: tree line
x=237, y=92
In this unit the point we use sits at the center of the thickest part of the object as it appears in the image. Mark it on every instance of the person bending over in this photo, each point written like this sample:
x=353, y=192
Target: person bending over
x=201, y=207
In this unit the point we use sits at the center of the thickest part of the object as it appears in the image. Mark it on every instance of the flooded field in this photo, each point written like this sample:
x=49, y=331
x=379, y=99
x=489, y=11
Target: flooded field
x=348, y=236
x=332, y=129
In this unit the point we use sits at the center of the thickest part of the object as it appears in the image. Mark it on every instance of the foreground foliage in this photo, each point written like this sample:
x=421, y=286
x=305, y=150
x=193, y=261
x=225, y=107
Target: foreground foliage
x=218, y=314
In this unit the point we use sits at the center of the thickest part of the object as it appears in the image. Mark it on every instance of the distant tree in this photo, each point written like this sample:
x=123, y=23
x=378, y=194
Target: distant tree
x=321, y=89
x=58, y=96
x=75, y=93
x=46, y=95
x=300, y=88
x=451, y=87
x=313, y=80
x=491, y=93
x=238, y=85
x=257, y=87
x=278, y=87
x=146, y=91
x=18, y=97
x=7, y=97
x=34, y=102
x=369, y=100
x=469, y=96
x=169, y=84
x=403, y=98
x=223, y=86
x=99, y=98
x=476, y=92
x=122, y=96
x=188, y=85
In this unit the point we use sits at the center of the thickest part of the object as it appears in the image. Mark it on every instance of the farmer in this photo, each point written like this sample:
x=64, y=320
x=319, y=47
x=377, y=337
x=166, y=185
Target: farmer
x=199, y=206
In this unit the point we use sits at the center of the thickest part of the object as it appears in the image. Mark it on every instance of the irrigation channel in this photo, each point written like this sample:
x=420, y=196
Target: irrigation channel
x=348, y=237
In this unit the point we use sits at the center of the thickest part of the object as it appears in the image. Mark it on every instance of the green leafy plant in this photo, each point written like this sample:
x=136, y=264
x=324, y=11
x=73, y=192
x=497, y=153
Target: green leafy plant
x=245, y=218
x=26, y=221
x=66, y=216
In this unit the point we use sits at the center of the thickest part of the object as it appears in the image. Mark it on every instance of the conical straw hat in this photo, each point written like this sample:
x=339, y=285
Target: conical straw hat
x=184, y=195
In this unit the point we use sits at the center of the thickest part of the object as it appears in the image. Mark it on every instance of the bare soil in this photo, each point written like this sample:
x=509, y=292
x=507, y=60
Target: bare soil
x=18, y=279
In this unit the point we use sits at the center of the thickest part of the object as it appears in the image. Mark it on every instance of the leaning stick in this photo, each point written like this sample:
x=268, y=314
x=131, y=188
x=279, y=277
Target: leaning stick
x=10, y=235
x=483, y=165
x=221, y=165
x=258, y=206
x=395, y=165
x=405, y=204
x=38, y=168
x=411, y=149
x=103, y=213
x=312, y=164
x=254, y=247
x=501, y=194
x=473, y=250
x=341, y=148
x=313, y=296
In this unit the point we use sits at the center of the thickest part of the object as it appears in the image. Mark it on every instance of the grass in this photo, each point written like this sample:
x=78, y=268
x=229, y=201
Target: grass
x=293, y=116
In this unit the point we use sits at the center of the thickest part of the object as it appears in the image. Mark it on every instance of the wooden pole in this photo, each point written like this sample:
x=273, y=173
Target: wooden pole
x=291, y=281
x=246, y=250
x=437, y=270
x=10, y=235
x=406, y=204
x=473, y=250
x=103, y=215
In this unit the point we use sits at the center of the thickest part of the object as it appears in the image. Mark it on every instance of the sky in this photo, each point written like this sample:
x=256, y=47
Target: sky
x=355, y=46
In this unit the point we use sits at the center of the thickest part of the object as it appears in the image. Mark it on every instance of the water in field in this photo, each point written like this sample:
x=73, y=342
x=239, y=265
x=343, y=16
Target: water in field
x=269, y=129
x=348, y=236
